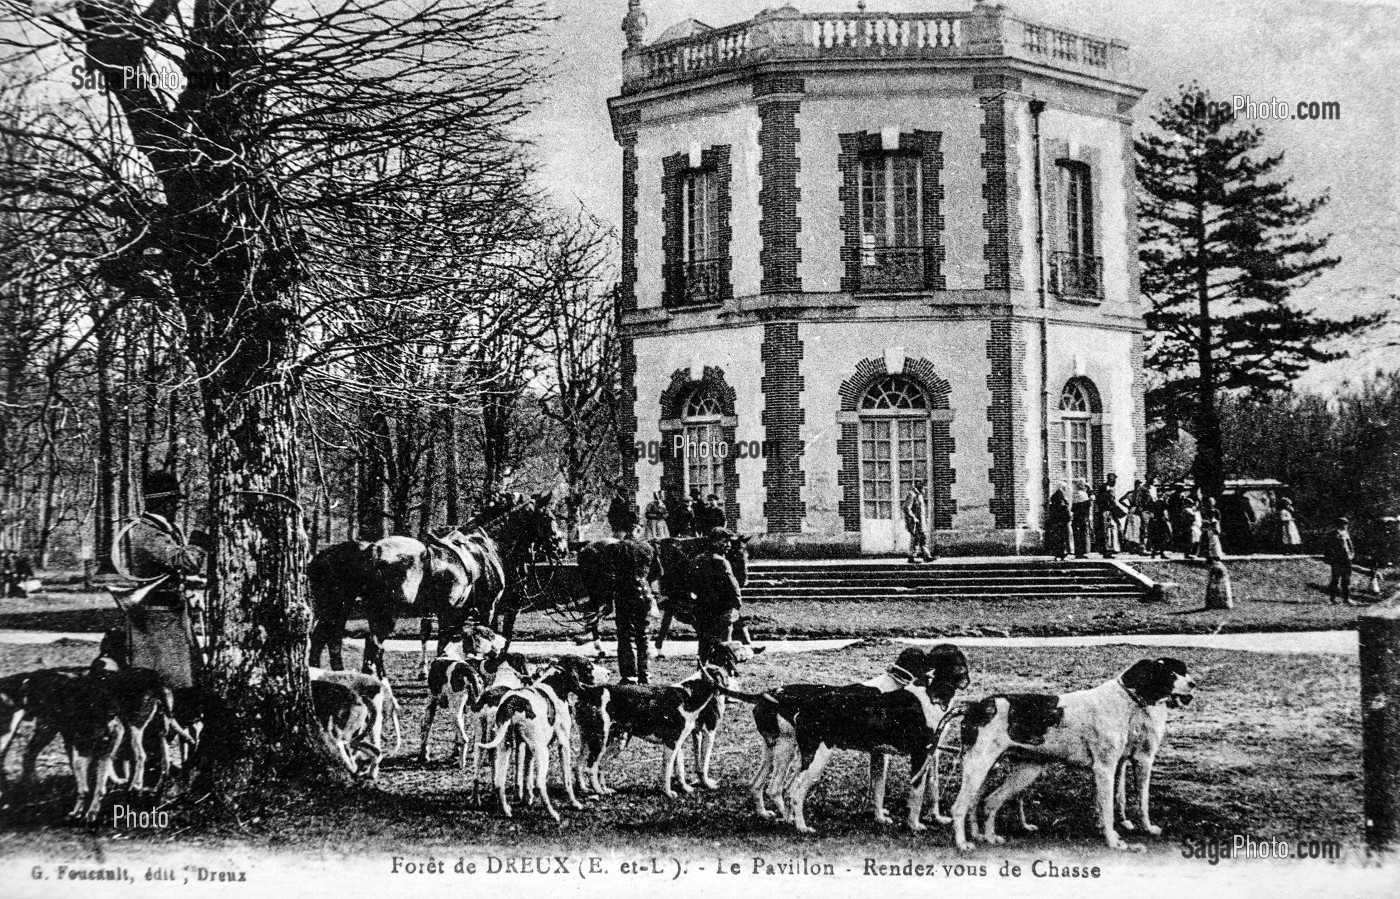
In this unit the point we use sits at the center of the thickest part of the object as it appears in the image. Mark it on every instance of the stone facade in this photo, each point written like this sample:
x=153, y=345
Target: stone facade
x=845, y=362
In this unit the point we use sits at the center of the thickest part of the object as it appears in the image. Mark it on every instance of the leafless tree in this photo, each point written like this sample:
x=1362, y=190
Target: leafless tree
x=282, y=125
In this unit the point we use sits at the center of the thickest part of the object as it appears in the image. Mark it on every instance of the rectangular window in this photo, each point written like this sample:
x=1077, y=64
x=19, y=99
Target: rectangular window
x=701, y=217
x=1075, y=270
x=1079, y=210
x=876, y=472
x=701, y=267
x=889, y=200
x=1077, y=461
x=891, y=222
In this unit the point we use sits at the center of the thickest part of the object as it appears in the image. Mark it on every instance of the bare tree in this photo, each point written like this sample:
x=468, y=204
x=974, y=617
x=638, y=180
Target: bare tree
x=581, y=351
x=224, y=178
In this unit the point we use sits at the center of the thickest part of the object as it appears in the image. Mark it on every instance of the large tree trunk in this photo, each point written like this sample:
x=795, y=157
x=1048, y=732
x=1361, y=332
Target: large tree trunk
x=261, y=725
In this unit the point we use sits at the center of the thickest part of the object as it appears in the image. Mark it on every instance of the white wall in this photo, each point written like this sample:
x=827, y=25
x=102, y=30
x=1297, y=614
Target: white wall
x=958, y=351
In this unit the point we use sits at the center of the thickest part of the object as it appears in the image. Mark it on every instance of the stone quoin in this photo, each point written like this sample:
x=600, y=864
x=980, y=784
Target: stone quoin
x=887, y=248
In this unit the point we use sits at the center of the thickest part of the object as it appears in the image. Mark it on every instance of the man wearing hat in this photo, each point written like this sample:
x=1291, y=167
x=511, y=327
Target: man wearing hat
x=1339, y=554
x=634, y=570
x=717, y=597
x=160, y=557
x=156, y=545
x=914, y=516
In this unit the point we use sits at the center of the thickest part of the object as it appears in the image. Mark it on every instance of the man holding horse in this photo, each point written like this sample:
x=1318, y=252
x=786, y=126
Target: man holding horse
x=634, y=570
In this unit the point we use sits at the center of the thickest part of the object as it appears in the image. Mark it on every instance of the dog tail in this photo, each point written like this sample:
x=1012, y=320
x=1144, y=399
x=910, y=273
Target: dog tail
x=747, y=697
x=501, y=733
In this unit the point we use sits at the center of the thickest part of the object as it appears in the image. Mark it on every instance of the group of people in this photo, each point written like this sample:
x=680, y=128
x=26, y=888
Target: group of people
x=16, y=575
x=679, y=517
x=1146, y=519
x=635, y=581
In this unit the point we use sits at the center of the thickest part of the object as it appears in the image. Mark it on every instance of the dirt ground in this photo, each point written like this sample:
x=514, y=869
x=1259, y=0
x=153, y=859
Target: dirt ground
x=1270, y=748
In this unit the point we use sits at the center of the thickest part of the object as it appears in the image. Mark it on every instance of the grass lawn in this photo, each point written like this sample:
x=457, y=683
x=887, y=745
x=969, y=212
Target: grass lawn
x=1270, y=748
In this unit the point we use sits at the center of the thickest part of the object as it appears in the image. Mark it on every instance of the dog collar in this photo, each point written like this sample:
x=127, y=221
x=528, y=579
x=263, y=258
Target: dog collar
x=901, y=676
x=1136, y=698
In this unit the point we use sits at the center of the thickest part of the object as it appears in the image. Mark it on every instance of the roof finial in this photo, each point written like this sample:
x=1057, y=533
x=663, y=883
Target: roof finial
x=634, y=24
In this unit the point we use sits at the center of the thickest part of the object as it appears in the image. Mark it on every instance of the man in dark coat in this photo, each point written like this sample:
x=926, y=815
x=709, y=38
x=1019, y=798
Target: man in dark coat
x=622, y=514
x=635, y=570
x=717, y=596
x=1081, y=513
x=710, y=516
x=161, y=557
x=682, y=521
x=1339, y=553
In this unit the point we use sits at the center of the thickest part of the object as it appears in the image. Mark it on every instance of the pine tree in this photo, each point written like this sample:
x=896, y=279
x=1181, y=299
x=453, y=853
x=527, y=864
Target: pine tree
x=1222, y=249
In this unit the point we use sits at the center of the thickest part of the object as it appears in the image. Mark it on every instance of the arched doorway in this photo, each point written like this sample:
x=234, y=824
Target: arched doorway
x=1081, y=448
x=895, y=454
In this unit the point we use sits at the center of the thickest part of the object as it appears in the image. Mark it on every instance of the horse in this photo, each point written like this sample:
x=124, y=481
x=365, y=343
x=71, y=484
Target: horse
x=457, y=577
x=677, y=557
x=337, y=576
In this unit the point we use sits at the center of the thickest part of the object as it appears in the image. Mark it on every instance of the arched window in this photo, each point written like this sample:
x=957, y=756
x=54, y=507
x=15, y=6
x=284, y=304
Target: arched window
x=1078, y=403
x=705, y=449
x=894, y=393
x=894, y=444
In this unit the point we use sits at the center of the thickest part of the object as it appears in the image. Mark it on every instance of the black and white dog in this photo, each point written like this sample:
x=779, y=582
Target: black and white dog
x=456, y=679
x=941, y=670
x=667, y=716
x=1121, y=720
x=881, y=723
x=537, y=718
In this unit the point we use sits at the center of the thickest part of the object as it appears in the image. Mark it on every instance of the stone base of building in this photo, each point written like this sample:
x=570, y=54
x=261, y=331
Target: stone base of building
x=958, y=542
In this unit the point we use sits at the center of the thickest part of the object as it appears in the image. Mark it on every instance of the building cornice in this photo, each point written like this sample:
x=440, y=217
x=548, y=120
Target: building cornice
x=836, y=307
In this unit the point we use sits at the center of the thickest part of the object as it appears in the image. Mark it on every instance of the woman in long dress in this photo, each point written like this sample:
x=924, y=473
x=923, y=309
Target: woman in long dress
x=1191, y=532
x=655, y=527
x=1210, y=547
x=1288, y=537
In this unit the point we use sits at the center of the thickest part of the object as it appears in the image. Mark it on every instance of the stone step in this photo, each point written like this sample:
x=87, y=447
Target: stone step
x=898, y=580
x=895, y=588
x=1116, y=593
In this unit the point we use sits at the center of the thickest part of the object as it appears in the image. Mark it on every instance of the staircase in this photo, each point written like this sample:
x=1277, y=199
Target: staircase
x=953, y=579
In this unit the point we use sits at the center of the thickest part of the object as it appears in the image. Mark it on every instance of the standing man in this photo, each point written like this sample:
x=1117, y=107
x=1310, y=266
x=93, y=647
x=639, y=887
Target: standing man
x=717, y=597
x=914, y=514
x=1339, y=554
x=1081, y=512
x=710, y=517
x=622, y=514
x=635, y=573
x=159, y=555
x=682, y=519
x=1111, y=513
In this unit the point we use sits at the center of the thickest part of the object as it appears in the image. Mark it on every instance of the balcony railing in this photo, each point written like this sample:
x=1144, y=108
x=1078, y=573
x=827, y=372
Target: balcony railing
x=1077, y=275
x=892, y=268
x=987, y=31
x=703, y=281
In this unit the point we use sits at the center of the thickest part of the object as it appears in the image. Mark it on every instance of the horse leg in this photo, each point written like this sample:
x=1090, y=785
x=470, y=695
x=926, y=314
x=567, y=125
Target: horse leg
x=663, y=631
x=508, y=623
x=425, y=630
x=333, y=638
